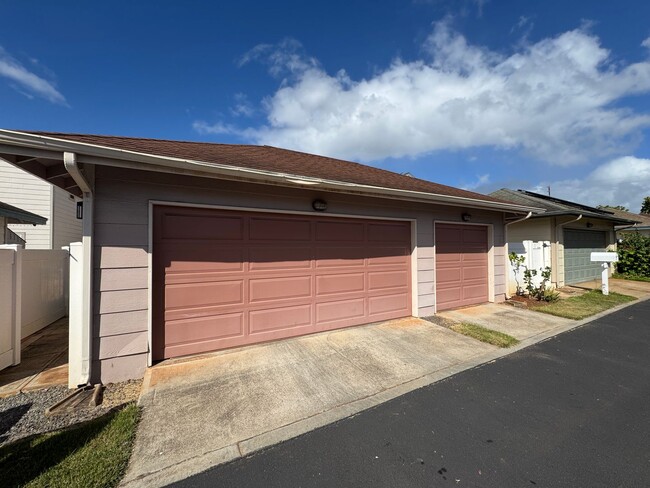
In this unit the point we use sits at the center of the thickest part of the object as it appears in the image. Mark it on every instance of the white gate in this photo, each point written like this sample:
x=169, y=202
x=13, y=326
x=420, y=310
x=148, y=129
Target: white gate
x=537, y=256
x=33, y=294
x=9, y=309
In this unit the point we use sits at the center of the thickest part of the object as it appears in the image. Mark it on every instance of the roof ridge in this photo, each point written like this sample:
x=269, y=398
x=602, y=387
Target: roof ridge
x=133, y=138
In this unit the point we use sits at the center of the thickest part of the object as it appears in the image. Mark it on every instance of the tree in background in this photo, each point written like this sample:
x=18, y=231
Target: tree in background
x=614, y=207
x=645, y=206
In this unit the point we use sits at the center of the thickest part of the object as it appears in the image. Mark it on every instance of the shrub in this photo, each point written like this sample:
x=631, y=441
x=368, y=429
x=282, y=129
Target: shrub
x=634, y=255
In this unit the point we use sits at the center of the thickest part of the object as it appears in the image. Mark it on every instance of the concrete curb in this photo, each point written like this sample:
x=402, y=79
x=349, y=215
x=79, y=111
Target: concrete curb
x=267, y=439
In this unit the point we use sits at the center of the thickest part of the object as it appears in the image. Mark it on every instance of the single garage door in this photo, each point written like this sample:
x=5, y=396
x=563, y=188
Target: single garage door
x=578, y=246
x=461, y=265
x=226, y=278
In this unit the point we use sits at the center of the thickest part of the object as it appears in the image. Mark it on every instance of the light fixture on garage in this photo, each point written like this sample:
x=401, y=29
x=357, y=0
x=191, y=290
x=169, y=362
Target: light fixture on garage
x=589, y=225
x=466, y=217
x=319, y=205
x=80, y=210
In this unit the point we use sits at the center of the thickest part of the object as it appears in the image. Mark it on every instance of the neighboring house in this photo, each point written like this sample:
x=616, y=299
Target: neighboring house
x=20, y=188
x=561, y=235
x=194, y=247
x=13, y=215
x=641, y=222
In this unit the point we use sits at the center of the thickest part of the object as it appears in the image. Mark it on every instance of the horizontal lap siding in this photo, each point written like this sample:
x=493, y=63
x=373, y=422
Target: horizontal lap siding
x=121, y=246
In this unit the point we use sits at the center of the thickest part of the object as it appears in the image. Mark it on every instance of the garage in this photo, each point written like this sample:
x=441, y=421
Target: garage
x=461, y=265
x=225, y=278
x=578, y=246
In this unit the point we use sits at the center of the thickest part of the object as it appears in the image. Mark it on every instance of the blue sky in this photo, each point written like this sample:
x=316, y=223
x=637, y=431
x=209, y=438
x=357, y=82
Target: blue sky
x=472, y=93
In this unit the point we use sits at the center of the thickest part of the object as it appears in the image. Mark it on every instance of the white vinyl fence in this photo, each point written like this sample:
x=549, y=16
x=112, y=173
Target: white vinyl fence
x=537, y=256
x=33, y=294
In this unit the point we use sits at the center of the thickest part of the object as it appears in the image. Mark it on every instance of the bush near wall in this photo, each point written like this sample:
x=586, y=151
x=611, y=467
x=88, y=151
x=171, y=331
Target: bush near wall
x=634, y=255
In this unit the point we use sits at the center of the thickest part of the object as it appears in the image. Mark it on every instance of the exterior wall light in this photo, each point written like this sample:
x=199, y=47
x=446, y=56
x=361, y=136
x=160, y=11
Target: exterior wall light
x=589, y=225
x=80, y=210
x=466, y=217
x=319, y=205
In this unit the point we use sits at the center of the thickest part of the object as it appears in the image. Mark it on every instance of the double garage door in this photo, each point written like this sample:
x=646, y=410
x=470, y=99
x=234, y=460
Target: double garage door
x=224, y=278
x=578, y=246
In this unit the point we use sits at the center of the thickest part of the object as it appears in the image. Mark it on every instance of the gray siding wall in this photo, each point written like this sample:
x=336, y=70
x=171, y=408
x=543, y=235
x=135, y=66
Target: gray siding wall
x=121, y=248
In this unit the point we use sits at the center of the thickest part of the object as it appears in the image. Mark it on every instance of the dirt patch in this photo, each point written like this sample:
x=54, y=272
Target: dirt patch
x=441, y=321
x=526, y=302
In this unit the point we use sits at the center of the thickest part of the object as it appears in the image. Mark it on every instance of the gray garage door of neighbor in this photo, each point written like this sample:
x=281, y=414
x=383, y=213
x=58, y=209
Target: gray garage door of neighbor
x=224, y=278
x=578, y=246
x=461, y=265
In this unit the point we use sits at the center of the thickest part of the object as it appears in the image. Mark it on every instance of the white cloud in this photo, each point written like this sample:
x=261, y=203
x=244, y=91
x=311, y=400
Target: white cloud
x=555, y=100
x=28, y=83
x=481, y=180
x=622, y=181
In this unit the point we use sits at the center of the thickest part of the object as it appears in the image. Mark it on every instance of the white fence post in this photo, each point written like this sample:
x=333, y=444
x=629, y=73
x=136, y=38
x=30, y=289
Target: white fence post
x=75, y=316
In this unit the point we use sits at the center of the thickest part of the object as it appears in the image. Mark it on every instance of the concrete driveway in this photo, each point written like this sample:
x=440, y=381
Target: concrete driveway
x=520, y=323
x=203, y=411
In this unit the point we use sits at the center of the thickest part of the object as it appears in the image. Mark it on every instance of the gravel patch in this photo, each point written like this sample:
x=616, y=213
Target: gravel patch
x=23, y=415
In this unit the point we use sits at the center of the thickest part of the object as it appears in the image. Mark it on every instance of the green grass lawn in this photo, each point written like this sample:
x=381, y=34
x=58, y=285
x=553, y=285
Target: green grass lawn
x=94, y=454
x=631, y=277
x=484, y=334
x=580, y=307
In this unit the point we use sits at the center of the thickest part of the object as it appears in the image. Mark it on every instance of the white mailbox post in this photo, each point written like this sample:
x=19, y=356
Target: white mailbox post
x=605, y=258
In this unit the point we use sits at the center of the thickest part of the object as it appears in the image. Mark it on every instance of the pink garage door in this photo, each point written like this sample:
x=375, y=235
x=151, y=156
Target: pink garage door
x=461, y=265
x=226, y=278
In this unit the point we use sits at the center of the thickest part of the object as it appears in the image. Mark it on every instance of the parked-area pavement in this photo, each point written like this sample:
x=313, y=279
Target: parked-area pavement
x=571, y=411
x=204, y=412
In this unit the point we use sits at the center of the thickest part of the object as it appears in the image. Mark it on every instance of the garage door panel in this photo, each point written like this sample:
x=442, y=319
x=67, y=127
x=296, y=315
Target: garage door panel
x=340, y=283
x=448, y=297
x=279, y=258
x=390, y=303
x=474, y=273
x=339, y=257
x=202, y=227
x=340, y=231
x=378, y=280
x=193, y=295
x=190, y=257
x=279, y=318
x=474, y=237
x=205, y=328
x=274, y=229
x=389, y=232
x=288, y=275
x=387, y=256
x=461, y=265
x=266, y=289
x=448, y=236
x=473, y=291
x=448, y=277
x=340, y=310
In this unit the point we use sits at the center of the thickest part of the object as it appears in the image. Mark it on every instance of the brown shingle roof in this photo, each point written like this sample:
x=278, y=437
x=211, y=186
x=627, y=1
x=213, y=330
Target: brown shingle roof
x=268, y=158
x=640, y=218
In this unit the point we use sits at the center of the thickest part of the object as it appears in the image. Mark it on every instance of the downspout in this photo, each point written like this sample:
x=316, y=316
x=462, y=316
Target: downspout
x=508, y=224
x=71, y=166
x=556, y=260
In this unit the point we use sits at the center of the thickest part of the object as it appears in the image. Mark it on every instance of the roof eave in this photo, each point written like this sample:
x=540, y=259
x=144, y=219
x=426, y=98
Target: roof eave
x=87, y=152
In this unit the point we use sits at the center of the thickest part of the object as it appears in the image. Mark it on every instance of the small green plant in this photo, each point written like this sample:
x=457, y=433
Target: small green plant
x=542, y=292
x=517, y=263
x=529, y=274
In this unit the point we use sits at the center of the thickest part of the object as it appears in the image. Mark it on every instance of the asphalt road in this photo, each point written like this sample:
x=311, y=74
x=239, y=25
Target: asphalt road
x=573, y=411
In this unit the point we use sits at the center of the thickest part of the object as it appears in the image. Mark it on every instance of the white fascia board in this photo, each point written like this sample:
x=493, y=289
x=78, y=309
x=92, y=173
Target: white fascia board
x=102, y=155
